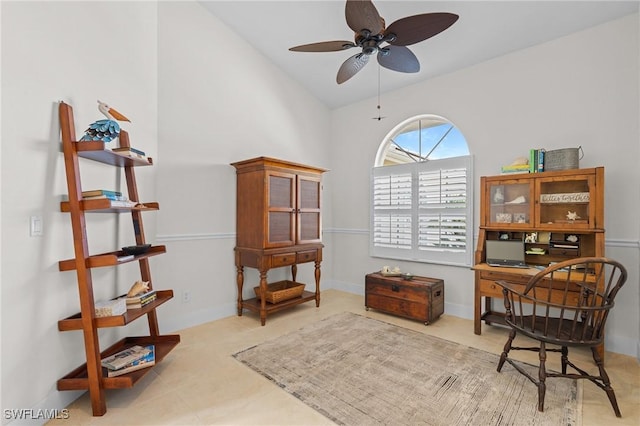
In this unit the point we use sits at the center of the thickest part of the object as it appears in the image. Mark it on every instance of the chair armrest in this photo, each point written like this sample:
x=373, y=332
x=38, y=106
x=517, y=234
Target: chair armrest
x=509, y=287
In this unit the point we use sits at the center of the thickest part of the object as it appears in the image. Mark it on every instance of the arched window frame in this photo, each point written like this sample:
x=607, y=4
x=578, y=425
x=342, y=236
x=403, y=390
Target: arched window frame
x=422, y=211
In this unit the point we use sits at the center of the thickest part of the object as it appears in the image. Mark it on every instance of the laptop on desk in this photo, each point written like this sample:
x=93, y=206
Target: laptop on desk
x=505, y=253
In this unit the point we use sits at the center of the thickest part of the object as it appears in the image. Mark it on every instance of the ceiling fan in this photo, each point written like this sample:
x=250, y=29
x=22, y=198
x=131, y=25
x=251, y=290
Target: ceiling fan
x=388, y=43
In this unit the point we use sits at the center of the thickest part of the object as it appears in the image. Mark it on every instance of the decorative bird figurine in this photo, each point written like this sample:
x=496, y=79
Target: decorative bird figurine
x=105, y=130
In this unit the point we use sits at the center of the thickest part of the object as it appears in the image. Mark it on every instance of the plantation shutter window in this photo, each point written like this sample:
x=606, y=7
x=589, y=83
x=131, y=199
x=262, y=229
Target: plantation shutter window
x=421, y=211
x=392, y=199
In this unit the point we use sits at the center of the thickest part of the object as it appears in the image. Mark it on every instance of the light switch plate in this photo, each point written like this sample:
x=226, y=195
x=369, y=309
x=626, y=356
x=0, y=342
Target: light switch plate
x=35, y=227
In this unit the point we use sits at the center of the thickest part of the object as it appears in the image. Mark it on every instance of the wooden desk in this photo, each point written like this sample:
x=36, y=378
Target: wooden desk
x=485, y=286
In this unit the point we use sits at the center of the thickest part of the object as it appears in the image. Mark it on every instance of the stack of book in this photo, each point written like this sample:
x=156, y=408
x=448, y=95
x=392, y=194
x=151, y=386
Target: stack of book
x=141, y=300
x=515, y=168
x=115, y=197
x=103, y=194
x=130, y=152
x=536, y=160
x=130, y=359
x=535, y=163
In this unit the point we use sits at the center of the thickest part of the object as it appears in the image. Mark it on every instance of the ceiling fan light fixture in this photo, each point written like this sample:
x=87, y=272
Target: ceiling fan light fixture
x=370, y=47
x=390, y=38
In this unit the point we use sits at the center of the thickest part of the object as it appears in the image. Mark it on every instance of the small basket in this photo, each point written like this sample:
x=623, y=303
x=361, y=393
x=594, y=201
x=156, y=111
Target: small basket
x=281, y=291
x=563, y=159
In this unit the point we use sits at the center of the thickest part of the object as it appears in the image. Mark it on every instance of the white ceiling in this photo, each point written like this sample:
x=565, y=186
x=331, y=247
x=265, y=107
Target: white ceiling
x=485, y=30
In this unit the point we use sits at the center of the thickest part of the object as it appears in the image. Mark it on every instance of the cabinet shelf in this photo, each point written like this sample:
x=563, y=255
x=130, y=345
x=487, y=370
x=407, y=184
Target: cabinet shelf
x=74, y=322
x=109, y=259
x=107, y=206
x=254, y=304
x=78, y=379
x=95, y=150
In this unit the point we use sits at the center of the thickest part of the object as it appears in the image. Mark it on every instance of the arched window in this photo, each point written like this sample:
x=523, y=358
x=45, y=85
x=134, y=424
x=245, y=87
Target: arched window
x=421, y=193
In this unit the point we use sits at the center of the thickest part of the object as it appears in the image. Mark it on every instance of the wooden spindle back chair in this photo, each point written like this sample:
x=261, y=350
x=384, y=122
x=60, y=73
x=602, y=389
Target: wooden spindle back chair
x=564, y=321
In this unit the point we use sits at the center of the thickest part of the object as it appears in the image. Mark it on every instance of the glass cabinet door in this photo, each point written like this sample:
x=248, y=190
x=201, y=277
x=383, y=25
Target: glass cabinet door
x=281, y=210
x=309, y=221
x=510, y=203
x=566, y=202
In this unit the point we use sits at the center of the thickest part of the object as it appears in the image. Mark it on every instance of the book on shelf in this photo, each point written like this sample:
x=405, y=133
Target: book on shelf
x=515, y=168
x=147, y=360
x=142, y=303
x=98, y=192
x=106, y=197
x=564, y=245
x=137, y=302
x=124, y=357
x=128, y=148
x=536, y=160
x=123, y=203
x=108, y=308
x=541, y=152
x=130, y=152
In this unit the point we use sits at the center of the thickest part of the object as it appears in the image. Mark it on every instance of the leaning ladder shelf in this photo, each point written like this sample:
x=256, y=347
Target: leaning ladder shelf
x=89, y=376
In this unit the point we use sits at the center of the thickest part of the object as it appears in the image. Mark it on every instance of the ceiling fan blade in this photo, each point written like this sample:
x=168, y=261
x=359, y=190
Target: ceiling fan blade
x=414, y=29
x=398, y=58
x=361, y=15
x=351, y=66
x=324, y=46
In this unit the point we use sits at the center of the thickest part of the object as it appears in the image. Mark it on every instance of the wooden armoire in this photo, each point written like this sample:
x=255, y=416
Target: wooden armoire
x=278, y=224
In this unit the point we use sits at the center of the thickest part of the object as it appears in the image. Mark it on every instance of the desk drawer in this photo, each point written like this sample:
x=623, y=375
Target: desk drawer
x=565, y=252
x=491, y=289
x=283, y=259
x=306, y=256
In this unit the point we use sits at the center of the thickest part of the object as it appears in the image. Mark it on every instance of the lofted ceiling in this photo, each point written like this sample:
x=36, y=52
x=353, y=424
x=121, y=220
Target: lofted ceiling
x=485, y=30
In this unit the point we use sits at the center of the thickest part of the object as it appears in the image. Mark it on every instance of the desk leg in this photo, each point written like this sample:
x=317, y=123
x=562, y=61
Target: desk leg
x=263, y=301
x=317, y=276
x=488, y=307
x=240, y=283
x=294, y=272
x=477, y=306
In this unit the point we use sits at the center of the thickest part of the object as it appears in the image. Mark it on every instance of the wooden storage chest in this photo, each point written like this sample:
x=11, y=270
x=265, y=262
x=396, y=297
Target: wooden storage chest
x=418, y=298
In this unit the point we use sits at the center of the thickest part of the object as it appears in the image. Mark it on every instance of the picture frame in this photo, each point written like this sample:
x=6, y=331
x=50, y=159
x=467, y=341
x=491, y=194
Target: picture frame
x=503, y=217
x=520, y=218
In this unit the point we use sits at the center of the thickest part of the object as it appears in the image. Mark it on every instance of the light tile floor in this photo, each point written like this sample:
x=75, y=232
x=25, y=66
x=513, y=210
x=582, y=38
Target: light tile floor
x=200, y=383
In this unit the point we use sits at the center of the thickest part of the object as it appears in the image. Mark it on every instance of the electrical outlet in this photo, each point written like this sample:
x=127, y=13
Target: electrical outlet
x=186, y=296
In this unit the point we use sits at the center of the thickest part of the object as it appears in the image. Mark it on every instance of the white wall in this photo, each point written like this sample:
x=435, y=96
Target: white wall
x=51, y=52
x=579, y=90
x=219, y=102
x=201, y=98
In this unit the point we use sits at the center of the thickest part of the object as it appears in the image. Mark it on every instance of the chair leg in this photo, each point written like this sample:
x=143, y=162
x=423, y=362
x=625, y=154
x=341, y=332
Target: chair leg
x=542, y=375
x=564, y=358
x=605, y=381
x=506, y=349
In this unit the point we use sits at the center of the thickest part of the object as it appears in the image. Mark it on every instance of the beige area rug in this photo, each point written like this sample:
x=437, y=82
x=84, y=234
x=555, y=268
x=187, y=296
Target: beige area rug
x=360, y=371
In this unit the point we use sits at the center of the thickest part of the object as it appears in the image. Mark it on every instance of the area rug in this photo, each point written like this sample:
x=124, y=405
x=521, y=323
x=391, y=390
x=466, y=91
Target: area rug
x=360, y=371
